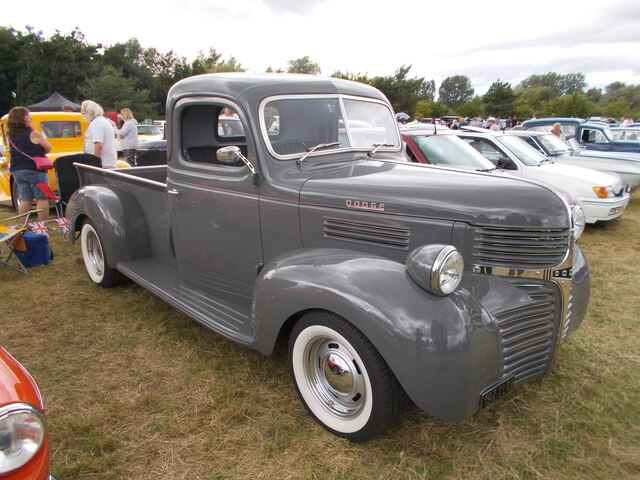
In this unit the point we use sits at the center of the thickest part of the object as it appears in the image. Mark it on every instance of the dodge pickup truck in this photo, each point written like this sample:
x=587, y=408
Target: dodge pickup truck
x=287, y=209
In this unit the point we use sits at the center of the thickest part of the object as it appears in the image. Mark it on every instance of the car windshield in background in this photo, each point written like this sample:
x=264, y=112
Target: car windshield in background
x=554, y=145
x=521, y=149
x=148, y=130
x=451, y=151
x=293, y=125
x=61, y=129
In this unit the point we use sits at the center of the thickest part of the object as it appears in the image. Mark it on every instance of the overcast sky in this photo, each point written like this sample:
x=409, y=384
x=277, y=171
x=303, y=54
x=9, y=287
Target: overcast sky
x=485, y=41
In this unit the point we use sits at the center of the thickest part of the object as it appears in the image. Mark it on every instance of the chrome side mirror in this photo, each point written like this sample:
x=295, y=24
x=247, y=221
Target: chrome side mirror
x=231, y=154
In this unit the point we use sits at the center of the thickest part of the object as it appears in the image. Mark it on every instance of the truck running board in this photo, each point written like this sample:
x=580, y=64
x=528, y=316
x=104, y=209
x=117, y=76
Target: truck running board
x=162, y=280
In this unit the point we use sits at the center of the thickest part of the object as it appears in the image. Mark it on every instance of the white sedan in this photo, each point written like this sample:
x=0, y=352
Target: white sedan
x=602, y=196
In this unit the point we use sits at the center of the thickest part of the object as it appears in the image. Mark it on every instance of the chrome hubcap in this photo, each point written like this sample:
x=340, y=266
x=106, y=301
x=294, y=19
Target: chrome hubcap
x=334, y=377
x=94, y=250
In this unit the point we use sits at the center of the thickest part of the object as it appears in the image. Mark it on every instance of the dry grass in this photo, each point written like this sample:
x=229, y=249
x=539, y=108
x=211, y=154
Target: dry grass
x=135, y=390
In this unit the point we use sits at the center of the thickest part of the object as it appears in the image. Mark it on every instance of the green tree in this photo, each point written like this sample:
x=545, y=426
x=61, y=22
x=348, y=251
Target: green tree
x=230, y=65
x=205, y=63
x=9, y=67
x=114, y=92
x=574, y=105
x=560, y=84
x=594, y=95
x=404, y=92
x=473, y=108
x=621, y=92
x=500, y=99
x=430, y=109
x=455, y=90
x=617, y=109
x=303, y=65
x=62, y=63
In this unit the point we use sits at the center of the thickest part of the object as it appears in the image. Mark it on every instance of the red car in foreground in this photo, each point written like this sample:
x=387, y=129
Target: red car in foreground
x=24, y=438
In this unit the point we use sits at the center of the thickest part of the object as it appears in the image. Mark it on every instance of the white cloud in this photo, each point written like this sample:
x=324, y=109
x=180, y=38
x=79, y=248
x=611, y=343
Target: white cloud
x=484, y=41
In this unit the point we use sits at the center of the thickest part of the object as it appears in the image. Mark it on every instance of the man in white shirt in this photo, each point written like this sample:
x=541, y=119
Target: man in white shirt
x=99, y=139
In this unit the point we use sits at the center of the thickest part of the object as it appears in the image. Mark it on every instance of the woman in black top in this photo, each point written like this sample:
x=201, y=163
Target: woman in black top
x=24, y=144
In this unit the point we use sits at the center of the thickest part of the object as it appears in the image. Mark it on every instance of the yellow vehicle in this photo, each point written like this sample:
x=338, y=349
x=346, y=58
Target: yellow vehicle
x=64, y=130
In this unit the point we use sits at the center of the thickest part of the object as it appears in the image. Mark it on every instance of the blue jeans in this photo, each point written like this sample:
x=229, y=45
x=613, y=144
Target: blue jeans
x=28, y=181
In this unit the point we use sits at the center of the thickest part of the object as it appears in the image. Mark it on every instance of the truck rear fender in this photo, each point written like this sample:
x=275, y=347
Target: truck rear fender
x=118, y=218
x=426, y=340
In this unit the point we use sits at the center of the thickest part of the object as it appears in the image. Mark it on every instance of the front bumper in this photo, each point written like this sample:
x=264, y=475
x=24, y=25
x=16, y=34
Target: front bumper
x=603, y=209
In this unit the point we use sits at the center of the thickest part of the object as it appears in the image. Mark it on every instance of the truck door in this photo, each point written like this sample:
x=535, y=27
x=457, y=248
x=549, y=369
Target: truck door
x=213, y=206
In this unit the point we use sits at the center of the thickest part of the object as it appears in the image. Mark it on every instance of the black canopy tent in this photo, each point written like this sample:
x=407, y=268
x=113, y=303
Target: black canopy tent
x=53, y=104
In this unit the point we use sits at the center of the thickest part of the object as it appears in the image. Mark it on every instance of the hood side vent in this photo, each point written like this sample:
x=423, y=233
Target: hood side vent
x=367, y=233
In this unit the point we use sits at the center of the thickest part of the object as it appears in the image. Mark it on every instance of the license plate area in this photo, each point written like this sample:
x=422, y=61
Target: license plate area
x=492, y=394
x=615, y=211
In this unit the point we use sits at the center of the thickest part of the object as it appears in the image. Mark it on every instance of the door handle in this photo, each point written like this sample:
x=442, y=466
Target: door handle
x=173, y=191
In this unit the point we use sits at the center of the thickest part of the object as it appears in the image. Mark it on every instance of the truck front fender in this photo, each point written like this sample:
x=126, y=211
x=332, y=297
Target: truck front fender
x=443, y=350
x=117, y=217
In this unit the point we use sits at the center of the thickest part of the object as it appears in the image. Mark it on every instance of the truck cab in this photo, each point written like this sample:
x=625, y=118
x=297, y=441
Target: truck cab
x=590, y=135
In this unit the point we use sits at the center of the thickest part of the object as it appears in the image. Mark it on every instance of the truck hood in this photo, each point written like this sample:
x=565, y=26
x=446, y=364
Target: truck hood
x=398, y=188
x=601, y=162
x=620, y=156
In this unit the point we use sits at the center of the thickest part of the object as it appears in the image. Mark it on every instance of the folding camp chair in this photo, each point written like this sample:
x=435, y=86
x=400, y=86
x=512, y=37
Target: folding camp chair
x=56, y=200
x=60, y=207
x=11, y=230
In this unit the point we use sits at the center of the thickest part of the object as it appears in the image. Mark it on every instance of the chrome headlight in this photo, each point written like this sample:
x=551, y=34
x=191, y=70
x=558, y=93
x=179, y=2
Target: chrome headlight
x=22, y=433
x=577, y=221
x=436, y=268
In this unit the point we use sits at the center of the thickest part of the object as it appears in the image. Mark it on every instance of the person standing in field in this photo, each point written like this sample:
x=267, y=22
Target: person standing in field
x=24, y=144
x=99, y=139
x=128, y=136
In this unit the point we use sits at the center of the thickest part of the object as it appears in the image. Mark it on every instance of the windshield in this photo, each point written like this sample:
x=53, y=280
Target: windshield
x=294, y=125
x=149, y=130
x=554, y=145
x=451, y=151
x=521, y=149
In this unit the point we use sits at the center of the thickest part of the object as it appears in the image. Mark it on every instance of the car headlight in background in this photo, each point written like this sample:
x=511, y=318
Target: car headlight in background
x=436, y=268
x=22, y=434
x=577, y=221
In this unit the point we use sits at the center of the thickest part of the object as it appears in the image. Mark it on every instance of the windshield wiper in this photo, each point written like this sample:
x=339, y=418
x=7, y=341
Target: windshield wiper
x=486, y=169
x=317, y=147
x=546, y=160
x=376, y=147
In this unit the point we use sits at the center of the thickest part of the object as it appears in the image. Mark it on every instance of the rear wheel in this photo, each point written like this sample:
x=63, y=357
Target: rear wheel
x=342, y=379
x=94, y=258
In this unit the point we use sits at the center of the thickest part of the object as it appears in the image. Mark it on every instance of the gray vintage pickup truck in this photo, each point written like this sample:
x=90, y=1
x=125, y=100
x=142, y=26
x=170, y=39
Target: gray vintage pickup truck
x=287, y=209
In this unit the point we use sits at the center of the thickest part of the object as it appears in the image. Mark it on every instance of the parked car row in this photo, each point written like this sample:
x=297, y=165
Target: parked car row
x=602, y=194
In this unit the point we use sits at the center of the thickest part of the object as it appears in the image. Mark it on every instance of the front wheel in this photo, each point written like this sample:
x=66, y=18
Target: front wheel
x=94, y=258
x=343, y=381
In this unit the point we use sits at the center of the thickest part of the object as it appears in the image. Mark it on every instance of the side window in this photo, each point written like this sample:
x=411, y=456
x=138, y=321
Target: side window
x=593, y=136
x=61, y=129
x=568, y=131
x=208, y=127
x=229, y=125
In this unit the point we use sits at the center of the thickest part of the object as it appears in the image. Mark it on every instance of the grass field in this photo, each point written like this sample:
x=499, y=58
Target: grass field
x=135, y=390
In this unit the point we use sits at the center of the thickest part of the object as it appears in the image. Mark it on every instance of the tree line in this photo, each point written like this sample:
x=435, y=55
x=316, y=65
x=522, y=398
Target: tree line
x=129, y=75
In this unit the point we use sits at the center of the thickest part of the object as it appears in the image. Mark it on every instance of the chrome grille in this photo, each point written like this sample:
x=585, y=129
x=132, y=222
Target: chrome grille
x=528, y=333
x=366, y=233
x=520, y=248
